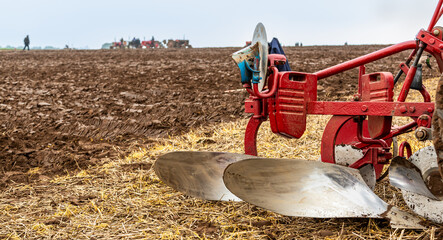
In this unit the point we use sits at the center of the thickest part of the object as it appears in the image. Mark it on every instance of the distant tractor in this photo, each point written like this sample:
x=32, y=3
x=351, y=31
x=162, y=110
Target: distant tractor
x=118, y=45
x=152, y=44
x=178, y=43
x=135, y=43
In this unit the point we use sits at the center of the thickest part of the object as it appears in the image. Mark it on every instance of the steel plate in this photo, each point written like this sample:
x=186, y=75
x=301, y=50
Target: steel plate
x=197, y=174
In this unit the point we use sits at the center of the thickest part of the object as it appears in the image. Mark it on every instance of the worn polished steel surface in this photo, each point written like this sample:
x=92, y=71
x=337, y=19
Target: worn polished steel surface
x=259, y=35
x=426, y=205
x=197, y=174
x=310, y=189
x=346, y=155
x=406, y=176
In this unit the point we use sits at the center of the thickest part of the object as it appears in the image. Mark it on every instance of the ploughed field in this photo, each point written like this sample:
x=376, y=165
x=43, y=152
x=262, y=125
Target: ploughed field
x=64, y=112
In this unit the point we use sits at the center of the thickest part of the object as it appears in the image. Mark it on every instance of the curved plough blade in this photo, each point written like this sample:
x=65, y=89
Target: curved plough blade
x=197, y=174
x=420, y=183
x=406, y=176
x=310, y=189
x=346, y=155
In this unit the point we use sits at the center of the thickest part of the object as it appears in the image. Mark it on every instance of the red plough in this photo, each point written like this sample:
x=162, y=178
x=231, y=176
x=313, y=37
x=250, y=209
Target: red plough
x=356, y=145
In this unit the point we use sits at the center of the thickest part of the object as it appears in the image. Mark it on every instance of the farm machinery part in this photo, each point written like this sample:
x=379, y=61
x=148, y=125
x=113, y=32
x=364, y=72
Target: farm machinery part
x=120, y=45
x=152, y=44
x=135, y=43
x=178, y=43
x=357, y=147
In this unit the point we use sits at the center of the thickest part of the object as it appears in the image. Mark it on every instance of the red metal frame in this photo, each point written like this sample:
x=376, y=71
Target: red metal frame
x=401, y=150
x=290, y=96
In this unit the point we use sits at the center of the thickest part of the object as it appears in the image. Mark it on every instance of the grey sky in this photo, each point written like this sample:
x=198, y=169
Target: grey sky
x=82, y=23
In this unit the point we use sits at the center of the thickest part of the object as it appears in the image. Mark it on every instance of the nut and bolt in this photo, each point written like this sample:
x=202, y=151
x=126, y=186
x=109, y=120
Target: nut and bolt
x=364, y=108
x=420, y=134
x=423, y=134
x=436, y=32
x=403, y=109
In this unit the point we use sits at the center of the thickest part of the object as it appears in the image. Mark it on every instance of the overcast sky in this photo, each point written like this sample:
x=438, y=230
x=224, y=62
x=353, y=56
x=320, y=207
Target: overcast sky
x=90, y=23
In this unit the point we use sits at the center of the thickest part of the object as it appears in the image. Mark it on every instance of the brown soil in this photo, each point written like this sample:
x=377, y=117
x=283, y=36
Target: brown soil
x=438, y=125
x=64, y=110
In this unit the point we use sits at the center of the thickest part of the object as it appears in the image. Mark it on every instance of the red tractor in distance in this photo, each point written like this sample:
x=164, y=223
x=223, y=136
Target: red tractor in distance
x=178, y=43
x=152, y=44
x=116, y=45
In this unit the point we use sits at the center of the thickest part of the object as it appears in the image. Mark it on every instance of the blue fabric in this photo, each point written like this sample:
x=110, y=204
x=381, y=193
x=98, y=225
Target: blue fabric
x=246, y=75
x=275, y=48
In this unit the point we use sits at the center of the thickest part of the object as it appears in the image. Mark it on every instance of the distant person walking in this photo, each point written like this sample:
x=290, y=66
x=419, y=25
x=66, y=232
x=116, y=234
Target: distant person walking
x=26, y=43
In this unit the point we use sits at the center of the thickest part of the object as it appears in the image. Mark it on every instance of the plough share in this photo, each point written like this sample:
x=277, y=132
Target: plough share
x=358, y=145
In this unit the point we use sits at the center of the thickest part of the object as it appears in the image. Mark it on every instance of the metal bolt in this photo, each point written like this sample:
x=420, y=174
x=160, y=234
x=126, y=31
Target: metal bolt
x=364, y=108
x=403, y=109
x=412, y=109
x=423, y=133
x=431, y=41
x=420, y=135
x=430, y=110
x=436, y=32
